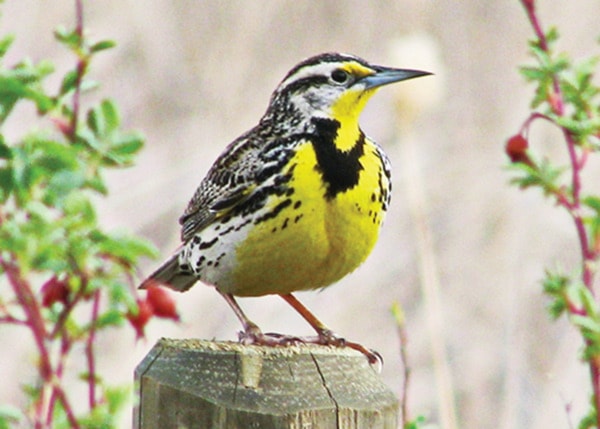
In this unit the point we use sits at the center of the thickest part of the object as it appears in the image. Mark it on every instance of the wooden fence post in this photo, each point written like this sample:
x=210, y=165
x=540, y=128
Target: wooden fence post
x=195, y=384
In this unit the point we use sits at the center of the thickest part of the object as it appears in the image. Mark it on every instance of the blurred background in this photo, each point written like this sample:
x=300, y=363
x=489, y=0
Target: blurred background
x=192, y=76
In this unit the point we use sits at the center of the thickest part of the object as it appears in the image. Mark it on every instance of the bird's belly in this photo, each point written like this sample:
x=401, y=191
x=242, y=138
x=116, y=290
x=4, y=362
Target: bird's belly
x=298, y=241
x=311, y=243
x=305, y=248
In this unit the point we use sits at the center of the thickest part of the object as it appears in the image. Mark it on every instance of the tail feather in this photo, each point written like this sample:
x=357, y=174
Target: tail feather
x=171, y=275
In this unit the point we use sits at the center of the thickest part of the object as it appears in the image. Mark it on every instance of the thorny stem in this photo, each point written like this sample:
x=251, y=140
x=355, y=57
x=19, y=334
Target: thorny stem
x=89, y=351
x=13, y=320
x=573, y=205
x=533, y=117
x=60, y=394
x=65, y=347
x=33, y=316
x=81, y=68
x=35, y=322
x=7, y=317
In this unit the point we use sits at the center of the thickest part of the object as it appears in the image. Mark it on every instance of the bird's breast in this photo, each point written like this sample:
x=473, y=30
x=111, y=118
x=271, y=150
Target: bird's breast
x=306, y=238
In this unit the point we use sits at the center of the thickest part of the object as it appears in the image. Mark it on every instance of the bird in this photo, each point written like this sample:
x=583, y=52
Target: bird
x=296, y=203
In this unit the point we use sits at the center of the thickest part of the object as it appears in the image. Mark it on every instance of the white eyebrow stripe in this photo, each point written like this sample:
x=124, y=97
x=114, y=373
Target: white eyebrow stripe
x=311, y=70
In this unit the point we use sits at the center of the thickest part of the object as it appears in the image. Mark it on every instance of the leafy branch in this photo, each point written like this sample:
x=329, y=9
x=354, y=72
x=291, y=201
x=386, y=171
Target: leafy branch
x=63, y=277
x=566, y=97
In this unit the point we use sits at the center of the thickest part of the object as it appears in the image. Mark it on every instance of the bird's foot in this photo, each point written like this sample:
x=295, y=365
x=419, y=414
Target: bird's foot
x=252, y=334
x=329, y=338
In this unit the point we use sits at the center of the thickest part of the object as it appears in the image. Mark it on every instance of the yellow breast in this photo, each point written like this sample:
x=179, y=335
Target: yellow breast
x=314, y=240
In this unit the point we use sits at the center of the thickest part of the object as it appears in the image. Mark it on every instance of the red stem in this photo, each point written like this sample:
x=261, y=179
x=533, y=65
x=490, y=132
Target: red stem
x=32, y=311
x=65, y=347
x=81, y=68
x=89, y=351
x=60, y=394
x=573, y=206
x=535, y=115
x=12, y=320
x=35, y=322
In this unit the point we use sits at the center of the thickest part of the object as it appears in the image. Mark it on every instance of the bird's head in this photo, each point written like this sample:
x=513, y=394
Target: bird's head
x=332, y=85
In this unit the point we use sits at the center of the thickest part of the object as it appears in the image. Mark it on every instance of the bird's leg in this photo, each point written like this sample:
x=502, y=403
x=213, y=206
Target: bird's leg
x=252, y=334
x=251, y=329
x=325, y=335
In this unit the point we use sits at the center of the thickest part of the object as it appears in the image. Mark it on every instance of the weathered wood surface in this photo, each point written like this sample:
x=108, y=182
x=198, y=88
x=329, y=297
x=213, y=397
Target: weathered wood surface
x=221, y=385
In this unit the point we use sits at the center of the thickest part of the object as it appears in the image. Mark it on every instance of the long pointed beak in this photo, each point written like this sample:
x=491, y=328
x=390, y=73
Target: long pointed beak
x=385, y=75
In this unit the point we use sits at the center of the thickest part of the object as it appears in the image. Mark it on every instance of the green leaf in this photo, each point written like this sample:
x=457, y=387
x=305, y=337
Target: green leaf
x=103, y=119
x=55, y=156
x=22, y=176
x=544, y=176
x=592, y=202
x=88, y=138
x=120, y=295
x=88, y=85
x=11, y=90
x=592, y=349
x=532, y=73
x=110, y=318
x=70, y=38
x=68, y=82
x=589, y=420
x=117, y=398
x=61, y=184
x=9, y=416
x=126, y=248
x=22, y=82
x=557, y=307
x=579, y=127
x=552, y=35
x=418, y=423
x=95, y=122
x=557, y=286
x=6, y=183
x=5, y=151
x=110, y=115
x=102, y=45
x=77, y=205
x=125, y=147
x=589, y=327
x=589, y=303
x=5, y=44
x=97, y=184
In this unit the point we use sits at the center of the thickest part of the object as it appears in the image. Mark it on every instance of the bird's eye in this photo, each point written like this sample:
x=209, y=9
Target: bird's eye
x=340, y=76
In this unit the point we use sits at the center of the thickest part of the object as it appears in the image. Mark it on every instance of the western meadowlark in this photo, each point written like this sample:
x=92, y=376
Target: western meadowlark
x=297, y=202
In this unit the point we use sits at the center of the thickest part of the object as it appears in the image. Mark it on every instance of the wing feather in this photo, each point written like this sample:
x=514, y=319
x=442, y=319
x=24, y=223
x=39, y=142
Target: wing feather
x=228, y=183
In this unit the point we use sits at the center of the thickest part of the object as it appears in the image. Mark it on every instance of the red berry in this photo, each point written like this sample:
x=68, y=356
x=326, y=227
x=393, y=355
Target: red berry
x=141, y=318
x=55, y=290
x=516, y=149
x=162, y=303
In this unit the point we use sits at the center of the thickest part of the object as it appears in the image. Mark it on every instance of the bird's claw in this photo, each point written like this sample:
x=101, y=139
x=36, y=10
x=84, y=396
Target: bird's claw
x=329, y=338
x=253, y=335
